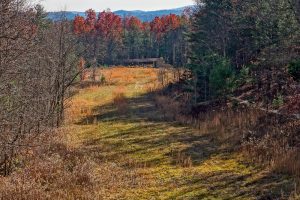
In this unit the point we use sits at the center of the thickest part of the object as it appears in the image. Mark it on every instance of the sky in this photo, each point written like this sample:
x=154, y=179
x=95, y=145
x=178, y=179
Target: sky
x=99, y=5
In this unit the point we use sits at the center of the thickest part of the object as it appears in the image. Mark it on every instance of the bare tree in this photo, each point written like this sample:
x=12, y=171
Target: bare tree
x=37, y=66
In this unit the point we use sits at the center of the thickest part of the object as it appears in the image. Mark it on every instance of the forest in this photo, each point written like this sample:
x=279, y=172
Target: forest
x=109, y=39
x=219, y=118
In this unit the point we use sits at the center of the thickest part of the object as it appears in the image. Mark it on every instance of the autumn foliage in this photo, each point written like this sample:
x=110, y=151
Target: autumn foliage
x=110, y=25
x=133, y=23
x=79, y=25
x=113, y=38
x=165, y=24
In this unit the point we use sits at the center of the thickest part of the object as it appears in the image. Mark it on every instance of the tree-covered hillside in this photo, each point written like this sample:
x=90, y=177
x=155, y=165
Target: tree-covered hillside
x=145, y=16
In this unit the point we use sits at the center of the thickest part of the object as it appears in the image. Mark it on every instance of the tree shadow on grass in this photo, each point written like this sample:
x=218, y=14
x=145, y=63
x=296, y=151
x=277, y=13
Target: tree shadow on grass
x=229, y=185
x=153, y=141
x=137, y=109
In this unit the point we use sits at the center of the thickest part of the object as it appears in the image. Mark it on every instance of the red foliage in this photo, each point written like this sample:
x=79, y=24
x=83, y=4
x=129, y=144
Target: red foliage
x=133, y=23
x=90, y=20
x=82, y=25
x=157, y=26
x=79, y=25
x=146, y=26
x=165, y=24
x=109, y=25
x=170, y=22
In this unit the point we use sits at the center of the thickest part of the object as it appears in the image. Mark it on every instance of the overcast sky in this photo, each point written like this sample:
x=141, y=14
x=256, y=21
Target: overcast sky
x=99, y=5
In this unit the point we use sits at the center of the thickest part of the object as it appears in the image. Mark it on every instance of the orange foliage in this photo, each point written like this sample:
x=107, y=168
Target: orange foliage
x=126, y=75
x=79, y=25
x=157, y=26
x=133, y=23
x=109, y=25
x=165, y=24
x=90, y=20
x=170, y=22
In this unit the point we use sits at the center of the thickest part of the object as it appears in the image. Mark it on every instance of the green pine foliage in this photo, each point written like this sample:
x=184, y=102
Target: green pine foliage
x=294, y=69
x=222, y=78
x=240, y=33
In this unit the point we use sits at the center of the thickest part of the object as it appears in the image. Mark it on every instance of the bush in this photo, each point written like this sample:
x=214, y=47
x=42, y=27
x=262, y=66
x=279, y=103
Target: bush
x=294, y=69
x=278, y=101
x=102, y=79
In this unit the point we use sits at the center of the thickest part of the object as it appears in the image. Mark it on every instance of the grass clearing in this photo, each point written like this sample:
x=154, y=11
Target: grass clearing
x=172, y=161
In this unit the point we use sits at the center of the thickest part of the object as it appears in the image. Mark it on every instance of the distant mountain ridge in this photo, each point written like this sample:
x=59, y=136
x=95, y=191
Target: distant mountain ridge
x=144, y=16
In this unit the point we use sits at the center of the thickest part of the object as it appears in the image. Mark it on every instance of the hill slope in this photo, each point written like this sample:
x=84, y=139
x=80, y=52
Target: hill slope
x=142, y=15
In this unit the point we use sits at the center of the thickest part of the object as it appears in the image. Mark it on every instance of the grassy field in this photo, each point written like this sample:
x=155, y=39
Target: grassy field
x=119, y=123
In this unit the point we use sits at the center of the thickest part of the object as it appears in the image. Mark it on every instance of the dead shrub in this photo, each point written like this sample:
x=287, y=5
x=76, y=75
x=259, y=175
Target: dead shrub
x=275, y=141
x=171, y=109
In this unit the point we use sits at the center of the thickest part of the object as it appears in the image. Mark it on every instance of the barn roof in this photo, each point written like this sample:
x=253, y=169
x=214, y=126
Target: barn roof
x=144, y=60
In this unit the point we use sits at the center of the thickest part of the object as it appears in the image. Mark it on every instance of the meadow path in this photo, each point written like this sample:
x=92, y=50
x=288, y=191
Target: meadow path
x=161, y=159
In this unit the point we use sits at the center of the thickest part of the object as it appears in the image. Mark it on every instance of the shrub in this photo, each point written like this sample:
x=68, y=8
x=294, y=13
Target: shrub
x=294, y=69
x=278, y=101
x=102, y=79
x=244, y=75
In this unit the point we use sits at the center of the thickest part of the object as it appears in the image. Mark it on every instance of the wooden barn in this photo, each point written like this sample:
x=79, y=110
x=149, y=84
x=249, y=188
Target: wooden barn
x=155, y=62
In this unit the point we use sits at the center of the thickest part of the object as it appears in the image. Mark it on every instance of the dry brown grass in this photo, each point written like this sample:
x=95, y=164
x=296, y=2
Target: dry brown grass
x=138, y=159
x=121, y=75
x=62, y=167
x=274, y=141
x=83, y=110
x=119, y=99
x=124, y=75
x=269, y=139
x=57, y=170
x=183, y=160
x=171, y=109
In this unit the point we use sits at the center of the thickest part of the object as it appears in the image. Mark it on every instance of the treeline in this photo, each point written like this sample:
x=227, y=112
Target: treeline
x=37, y=60
x=40, y=61
x=108, y=39
x=232, y=41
